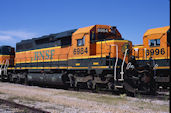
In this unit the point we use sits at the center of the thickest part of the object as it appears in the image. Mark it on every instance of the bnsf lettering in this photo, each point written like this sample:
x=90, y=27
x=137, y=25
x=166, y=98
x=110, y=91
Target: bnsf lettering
x=47, y=54
x=155, y=52
x=78, y=51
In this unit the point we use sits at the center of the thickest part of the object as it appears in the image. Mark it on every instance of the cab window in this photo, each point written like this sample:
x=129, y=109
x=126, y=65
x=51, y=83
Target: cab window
x=81, y=42
x=92, y=36
x=158, y=42
x=155, y=42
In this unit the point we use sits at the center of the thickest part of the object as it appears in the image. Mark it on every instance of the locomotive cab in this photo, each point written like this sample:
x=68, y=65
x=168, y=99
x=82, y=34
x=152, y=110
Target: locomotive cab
x=98, y=42
x=101, y=52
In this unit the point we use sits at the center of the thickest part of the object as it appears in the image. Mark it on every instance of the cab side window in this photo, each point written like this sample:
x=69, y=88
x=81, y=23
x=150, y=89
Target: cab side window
x=151, y=42
x=155, y=42
x=92, y=36
x=81, y=42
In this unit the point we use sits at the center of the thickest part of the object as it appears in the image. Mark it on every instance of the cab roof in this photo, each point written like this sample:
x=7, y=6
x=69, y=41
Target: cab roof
x=83, y=30
x=160, y=30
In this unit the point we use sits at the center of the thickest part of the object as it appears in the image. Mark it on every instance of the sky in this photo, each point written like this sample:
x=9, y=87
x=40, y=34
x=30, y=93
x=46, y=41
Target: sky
x=26, y=19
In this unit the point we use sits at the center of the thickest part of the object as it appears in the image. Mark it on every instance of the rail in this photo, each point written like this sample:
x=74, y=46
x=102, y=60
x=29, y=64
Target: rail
x=24, y=107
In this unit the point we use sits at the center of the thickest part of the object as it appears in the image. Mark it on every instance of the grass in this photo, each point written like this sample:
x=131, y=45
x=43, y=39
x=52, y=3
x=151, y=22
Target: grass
x=117, y=100
x=2, y=92
x=166, y=97
x=96, y=97
x=148, y=105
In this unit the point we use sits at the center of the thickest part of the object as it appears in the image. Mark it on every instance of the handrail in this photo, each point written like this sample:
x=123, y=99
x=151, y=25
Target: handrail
x=6, y=67
x=1, y=67
x=68, y=55
x=116, y=60
x=2, y=64
x=145, y=53
x=122, y=72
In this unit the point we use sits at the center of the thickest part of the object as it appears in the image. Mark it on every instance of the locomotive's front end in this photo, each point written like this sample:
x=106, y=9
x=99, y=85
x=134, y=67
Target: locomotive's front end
x=114, y=52
x=7, y=54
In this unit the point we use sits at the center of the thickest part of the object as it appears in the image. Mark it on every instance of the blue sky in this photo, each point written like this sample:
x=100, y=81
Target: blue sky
x=25, y=19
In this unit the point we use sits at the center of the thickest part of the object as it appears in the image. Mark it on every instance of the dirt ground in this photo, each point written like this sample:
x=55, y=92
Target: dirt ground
x=63, y=101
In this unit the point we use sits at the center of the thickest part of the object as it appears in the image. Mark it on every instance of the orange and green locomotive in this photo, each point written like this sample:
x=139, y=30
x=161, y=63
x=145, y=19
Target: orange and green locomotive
x=156, y=52
x=91, y=57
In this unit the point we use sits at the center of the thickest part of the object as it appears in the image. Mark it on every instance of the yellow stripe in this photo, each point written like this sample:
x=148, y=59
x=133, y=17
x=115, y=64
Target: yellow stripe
x=48, y=68
x=95, y=63
x=11, y=68
x=4, y=55
x=38, y=68
x=41, y=61
x=112, y=41
x=163, y=67
x=77, y=67
x=152, y=58
x=93, y=67
x=138, y=46
x=77, y=64
x=84, y=57
x=39, y=49
x=96, y=67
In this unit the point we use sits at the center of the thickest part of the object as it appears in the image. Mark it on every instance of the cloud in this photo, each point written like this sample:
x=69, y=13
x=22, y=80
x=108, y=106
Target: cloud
x=19, y=34
x=11, y=37
x=5, y=38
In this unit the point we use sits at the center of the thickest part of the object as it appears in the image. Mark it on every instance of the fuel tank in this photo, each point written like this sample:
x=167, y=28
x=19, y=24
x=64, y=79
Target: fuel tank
x=48, y=79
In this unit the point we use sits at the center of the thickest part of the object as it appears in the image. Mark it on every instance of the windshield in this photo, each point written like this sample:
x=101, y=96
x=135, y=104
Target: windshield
x=105, y=36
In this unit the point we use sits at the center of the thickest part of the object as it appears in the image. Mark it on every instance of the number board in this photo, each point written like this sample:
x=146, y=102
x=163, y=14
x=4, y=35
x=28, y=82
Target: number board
x=155, y=52
x=80, y=51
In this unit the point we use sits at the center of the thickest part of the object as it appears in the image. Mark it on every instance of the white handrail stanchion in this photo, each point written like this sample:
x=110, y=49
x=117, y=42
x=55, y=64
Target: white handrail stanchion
x=5, y=67
x=1, y=67
x=145, y=53
x=122, y=72
x=116, y=60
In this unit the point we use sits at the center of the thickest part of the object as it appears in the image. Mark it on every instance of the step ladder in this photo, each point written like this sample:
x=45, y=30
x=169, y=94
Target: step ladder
x=4, y=67
x=119, y=80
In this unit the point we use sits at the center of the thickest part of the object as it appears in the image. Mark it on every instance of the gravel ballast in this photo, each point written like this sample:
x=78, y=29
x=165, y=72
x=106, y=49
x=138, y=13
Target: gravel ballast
x=63, y=101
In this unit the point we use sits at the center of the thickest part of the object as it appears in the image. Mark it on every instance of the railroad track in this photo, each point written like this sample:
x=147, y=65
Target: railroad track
x=22, y=107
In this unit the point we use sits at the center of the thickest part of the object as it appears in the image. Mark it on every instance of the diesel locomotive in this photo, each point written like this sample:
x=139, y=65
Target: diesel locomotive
x=93, y=57
x=156, y=49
